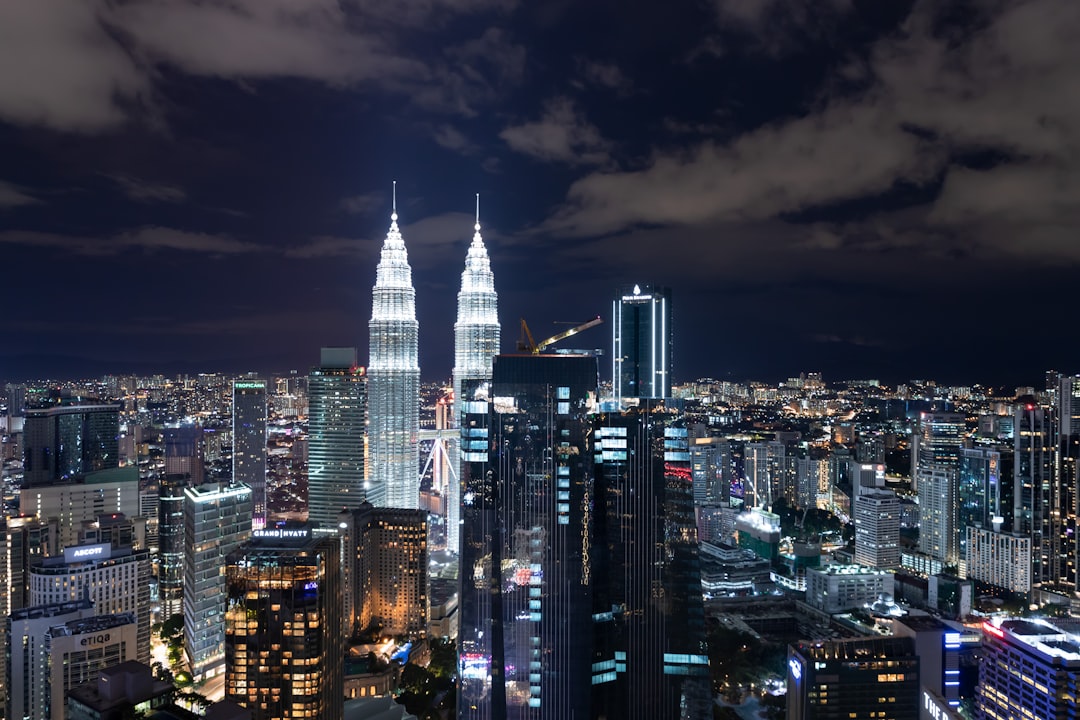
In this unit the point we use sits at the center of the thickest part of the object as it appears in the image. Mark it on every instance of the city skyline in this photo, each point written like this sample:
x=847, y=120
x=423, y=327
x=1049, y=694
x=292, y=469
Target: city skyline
x=815, y=181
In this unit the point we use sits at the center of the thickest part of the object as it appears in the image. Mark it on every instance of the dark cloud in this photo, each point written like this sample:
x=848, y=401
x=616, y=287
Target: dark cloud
x=13, y=196
x=148, y=238
x=148, y=192
x=562, y=135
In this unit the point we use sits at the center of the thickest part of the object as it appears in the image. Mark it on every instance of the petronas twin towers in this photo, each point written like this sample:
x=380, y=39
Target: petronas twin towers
x=393, y=372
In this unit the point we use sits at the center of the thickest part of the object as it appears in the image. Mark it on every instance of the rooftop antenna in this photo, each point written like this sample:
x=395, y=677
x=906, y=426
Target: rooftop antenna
x=394, y=215
x=477, y=211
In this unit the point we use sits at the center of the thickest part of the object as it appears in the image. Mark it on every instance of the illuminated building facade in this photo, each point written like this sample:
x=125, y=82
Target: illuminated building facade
x=877, y=529
x=65, y=443
x=999, y=559
x=115, y=579
x=1067, y=477
x=249, y=443
x=73, y=504
x=393, y=381
x=649, y=658
x=171, y=544
x=1029, y=669
x=337, y=418
x=283, y=645
x=476, y=342
x=1038, y=497
x=217, y=520
x=641, y=343
x=839, y=588
x=865, y=678
x=525, y=640
x=385, y=570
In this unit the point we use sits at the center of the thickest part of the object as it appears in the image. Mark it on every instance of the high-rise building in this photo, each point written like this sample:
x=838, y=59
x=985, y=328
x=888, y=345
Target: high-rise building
x=649, y=658
x=71, y=505
x=876, y=677
x=217, y=520
x=1067, y=476
x=283, y=646
x=525, y=641
x=393, y=381
x=877, y=529
x=385, y=570
x=184, y=451
x=476, y=342
x=337, y=417
x=249, y=443
x=63, y=444
x=115, y=579
x=55, y=647
x=641, y=343
x=936, y=461
x=23, y=541
x=171, y=544
x=999, y=559
x=1038, y=511
x=1030, y=669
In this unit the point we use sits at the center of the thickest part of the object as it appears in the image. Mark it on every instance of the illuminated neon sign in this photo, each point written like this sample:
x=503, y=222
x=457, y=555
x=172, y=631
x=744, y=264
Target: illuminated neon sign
x=796, y=669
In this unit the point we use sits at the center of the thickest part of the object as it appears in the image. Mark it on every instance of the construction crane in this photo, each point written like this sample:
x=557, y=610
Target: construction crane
x=527, y=344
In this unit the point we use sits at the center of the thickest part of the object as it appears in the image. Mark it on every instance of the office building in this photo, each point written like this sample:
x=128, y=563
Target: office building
x=939, y=531
x=649, y=658
x=71, y=505
x=337, y=424
x=525, y=641
x=1030, y=669
x=170, y=564
x=1038, y=511
x=115, y=579
x=217, y=520
x=1067, y=476
x=184, y=451
x=936, y=443
x=877, y=529
x=999, y=559
x=284, y=651
x=249, y=443
x=642, y=343
x=65, y=443
x=56, y=647
x=840, y=679
x=23, y=541
x=710, y=459
x=385, y=570
x=840, y=588
x=948, y=656
x=476, y=342
x=393, y=381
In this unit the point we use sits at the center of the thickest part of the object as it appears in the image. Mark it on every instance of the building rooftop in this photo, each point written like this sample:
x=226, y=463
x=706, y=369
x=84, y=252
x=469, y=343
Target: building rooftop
x=1040, y=636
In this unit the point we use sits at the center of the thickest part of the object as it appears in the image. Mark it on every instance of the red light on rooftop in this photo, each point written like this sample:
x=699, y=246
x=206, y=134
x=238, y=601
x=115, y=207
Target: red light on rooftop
x=995, y=631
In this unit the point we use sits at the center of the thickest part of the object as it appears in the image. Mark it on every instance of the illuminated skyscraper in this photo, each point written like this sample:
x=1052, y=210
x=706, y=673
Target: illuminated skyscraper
x=217, y=519
x=393, y=381
x=641, y=345
x=476, y=342
x=337, y=416
x=283, y=644
x=249, y=443
x=525, y=643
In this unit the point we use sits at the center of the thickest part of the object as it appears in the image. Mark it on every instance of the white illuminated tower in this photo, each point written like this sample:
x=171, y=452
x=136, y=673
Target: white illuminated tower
x=393, y=380
x=476, y=342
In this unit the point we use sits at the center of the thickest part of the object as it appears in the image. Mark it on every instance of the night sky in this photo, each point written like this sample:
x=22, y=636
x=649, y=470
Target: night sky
x=862, y=188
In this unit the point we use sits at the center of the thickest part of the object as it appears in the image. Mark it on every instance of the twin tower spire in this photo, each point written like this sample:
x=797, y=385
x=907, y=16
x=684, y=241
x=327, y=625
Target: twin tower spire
x=393, y=477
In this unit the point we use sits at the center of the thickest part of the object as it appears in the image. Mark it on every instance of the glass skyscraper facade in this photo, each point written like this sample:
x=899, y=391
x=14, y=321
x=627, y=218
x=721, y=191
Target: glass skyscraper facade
x=476, y=342
x=283, y=645
x=649, y=656
x=393, y=381
x=249, y=443
x=337, y=417
x=641, y=343
x=525, y=642
x=65, y=443
x=580, y=585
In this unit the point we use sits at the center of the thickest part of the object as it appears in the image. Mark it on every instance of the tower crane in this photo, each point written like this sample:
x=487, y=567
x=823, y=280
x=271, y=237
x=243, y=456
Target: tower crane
x=527, y=344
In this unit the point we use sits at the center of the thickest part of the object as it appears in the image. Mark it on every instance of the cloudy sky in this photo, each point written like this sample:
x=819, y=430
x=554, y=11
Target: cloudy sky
x=867, y=188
